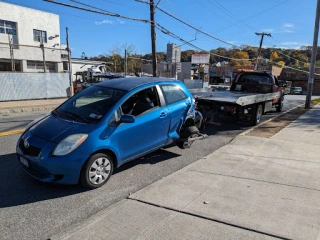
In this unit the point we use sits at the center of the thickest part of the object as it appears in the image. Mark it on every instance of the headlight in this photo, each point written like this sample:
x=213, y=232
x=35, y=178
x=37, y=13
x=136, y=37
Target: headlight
x=69, y=144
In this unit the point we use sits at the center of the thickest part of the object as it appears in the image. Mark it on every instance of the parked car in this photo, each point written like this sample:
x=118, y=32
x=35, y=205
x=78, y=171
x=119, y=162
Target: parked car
x=105, y=126
x=296, y=91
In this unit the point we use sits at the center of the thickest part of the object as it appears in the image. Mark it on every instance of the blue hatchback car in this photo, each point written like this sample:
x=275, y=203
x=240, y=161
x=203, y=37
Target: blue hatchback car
x=105, y=126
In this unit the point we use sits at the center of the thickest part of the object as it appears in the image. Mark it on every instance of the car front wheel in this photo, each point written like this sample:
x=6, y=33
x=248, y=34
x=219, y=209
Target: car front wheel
x=96, y=171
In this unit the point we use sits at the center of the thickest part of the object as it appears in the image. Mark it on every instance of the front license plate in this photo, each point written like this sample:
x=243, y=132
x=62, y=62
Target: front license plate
x=24, y=161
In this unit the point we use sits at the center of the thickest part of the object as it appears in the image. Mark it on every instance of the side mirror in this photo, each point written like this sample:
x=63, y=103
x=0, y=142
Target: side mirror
x=126, y=118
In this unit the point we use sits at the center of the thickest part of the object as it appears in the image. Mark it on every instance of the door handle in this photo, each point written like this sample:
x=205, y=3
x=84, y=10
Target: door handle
x=163, y=115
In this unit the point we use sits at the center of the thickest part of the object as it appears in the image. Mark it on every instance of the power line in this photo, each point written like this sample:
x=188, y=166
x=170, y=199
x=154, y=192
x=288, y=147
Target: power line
x=210, y=9
x=47, y=10
x=99, y=12
x=225, y=10
x=157, y=4
x=87, y=5
x=120, y=4
x=166, y=31
x=258, y=14
x=189, y=25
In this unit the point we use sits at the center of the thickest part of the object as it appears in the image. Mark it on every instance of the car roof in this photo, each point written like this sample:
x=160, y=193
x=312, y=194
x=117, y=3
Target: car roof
x=132, y=82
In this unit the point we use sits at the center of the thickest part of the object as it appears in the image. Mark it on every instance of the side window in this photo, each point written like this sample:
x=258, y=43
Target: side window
x=141, y=102
x=173, y=93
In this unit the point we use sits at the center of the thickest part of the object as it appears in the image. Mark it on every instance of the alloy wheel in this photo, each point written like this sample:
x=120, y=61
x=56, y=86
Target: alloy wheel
x=100, y=170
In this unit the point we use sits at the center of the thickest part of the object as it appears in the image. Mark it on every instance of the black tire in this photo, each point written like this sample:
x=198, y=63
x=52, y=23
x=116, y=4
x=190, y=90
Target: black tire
x=87, y=181
x=189, y=131
x=186, y=144
x=280, y=105
x=256, y=118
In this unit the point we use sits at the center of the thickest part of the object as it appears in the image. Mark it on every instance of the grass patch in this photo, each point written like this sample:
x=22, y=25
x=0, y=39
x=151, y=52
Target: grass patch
x=272, y=127
x=315, y=101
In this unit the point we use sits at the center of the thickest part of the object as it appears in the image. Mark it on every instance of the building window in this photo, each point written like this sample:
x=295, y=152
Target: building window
x=50, y=66
x=7, y=27
x=39, y=36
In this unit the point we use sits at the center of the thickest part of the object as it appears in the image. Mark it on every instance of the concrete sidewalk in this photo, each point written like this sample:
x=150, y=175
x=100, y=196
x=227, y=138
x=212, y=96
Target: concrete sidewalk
x=252, y=188
x=30, y=105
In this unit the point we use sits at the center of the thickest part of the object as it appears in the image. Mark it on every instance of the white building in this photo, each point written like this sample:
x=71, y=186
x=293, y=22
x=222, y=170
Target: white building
x=173, y=53
x=27, y=29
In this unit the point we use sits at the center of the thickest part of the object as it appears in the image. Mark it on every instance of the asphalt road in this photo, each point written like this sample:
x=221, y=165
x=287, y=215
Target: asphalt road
x=33, y=210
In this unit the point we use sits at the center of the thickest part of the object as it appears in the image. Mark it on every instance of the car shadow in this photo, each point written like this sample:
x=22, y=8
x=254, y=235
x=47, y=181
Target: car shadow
x=151, y=158
x=17, y=188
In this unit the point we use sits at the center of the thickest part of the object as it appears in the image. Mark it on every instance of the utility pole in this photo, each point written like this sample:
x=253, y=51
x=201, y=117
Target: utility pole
x=259, y=51
x=125, y=63
x=115, y=66
x=141, y=62
x=175, y=65
x=13, y=67
x=153, y=40
x=43, y=53
x=69, y=64
x=313, y=57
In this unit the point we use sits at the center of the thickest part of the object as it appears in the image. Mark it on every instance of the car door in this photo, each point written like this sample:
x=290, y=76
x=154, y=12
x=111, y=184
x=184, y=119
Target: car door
x=147, y=133
x=178, y=104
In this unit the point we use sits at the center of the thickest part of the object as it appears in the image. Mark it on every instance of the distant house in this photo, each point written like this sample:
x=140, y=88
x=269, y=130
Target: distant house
x=300, y=79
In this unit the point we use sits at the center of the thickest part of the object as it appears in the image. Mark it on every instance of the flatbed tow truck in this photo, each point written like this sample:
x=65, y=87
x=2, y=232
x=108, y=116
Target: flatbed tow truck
x=251, y=95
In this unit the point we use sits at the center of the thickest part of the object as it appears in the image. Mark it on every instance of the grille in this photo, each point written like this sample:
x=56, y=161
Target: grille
x=32, y=172
x=31, y=150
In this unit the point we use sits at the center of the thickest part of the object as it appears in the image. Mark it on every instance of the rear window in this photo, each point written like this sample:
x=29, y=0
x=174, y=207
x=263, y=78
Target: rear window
x=173, y=93
x=253, y=83
x=248, y=78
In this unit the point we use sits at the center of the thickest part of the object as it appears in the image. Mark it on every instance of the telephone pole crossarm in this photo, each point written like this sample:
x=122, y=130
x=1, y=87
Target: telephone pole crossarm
x=260, y=46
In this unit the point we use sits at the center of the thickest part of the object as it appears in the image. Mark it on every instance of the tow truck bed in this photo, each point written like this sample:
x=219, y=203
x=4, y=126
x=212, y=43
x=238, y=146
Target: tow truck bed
x=233, y=97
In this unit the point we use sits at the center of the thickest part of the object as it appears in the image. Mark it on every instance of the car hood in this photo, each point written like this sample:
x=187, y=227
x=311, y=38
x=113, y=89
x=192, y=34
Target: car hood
x=54, y=129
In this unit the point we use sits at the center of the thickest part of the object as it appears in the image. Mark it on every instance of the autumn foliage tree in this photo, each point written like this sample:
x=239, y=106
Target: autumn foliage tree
x=240, y=55
x=273, y=56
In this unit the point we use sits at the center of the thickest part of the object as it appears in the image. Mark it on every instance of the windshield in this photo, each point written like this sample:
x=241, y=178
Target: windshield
x=297, y=88
x=90, y=105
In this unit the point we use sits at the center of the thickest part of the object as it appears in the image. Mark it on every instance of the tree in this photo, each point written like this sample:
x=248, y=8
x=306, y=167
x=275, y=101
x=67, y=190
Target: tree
x=240, y=55
x=274, y=55
x=280, y=64
x=133, y=62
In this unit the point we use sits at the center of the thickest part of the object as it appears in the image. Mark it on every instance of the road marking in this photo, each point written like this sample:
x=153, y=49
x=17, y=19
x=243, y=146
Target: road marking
x=2, y=134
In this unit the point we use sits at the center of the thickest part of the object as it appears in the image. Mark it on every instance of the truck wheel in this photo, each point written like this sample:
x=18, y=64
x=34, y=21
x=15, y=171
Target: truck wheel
x=280, y=105
x=257, y=116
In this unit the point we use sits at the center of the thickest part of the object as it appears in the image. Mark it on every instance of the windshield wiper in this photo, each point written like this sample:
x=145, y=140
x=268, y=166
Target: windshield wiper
x=75, y=115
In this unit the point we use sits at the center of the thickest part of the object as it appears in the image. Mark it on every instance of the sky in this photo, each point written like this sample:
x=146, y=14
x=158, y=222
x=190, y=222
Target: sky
x=290, y=22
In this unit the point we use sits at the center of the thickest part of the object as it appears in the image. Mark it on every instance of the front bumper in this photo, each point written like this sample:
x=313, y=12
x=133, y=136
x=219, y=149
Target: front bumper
x=48, y=168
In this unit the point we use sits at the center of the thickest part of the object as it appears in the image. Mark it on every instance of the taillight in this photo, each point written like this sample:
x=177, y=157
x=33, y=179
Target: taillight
x=230, y=109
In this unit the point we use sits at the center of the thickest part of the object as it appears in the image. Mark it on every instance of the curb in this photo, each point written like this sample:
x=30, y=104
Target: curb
x=269, y=120
x=28, y=109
